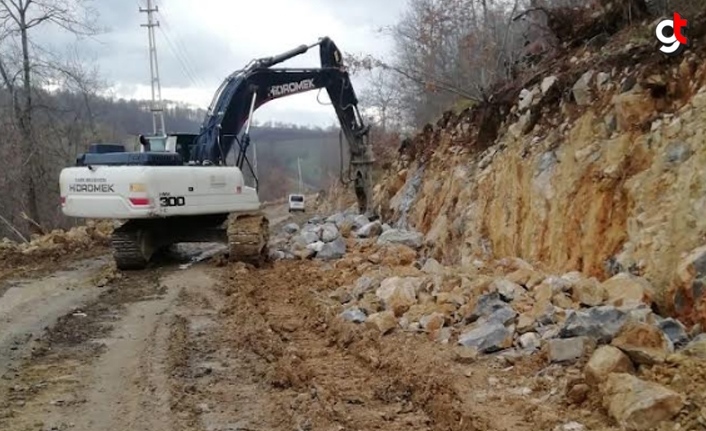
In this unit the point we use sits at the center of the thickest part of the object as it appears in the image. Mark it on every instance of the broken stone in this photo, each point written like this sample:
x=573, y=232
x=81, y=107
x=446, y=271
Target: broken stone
x=675, y=331
x=530, y=341
x=626, y=289
x=525, y=323
x=487, y=338
x=465, y=355
x=582, y=89
x=432, y=322
x=305, y=238
x=360, y=221
x=354, y=314
x=487, y=305
x=316, y=246
x=507, y=289
x=601, y=323
x=562, y=300
x=606, y=360
x=525, y=277
x=589, y=292
x=525, y=99
x=568, y=349
x=637, y=404
x=370, y=230
x=333, y=250
x=602, y=78
x=364, y=285
x=396, y=236
x=338, y=219
x=548, y=83
x=384, y=321
x=505, y=316
x=644, y=344
x=399, y=293
x=329, y=232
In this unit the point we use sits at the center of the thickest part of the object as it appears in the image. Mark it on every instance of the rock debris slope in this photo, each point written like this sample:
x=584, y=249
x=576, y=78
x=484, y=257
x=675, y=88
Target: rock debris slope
x=593, y=164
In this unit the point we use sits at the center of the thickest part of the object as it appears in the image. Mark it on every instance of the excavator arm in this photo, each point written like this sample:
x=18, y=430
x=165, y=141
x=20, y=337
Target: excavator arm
x=246, y=90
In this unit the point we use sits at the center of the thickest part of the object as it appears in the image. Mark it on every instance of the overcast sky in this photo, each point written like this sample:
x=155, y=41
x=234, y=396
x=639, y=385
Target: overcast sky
x=201, y=42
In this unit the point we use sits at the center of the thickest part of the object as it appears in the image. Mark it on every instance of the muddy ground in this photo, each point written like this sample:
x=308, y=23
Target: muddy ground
x=225, y=348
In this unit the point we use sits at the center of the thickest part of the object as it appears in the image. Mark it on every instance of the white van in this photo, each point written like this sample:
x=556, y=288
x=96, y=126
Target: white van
x=296, y=203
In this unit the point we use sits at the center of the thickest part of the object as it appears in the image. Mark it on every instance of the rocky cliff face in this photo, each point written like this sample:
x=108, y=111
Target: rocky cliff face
x=597, y=163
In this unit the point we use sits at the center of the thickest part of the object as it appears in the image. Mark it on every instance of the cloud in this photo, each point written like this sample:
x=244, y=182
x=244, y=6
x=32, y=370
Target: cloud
x=200, y=43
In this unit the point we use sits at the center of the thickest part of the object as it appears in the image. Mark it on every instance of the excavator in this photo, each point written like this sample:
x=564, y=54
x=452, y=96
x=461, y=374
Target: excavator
x=179, y=188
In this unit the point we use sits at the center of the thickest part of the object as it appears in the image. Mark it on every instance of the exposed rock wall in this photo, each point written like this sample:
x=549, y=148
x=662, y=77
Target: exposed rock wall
x=597, y=168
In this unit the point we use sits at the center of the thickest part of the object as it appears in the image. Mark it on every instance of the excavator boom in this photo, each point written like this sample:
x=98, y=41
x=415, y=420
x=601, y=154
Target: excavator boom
x=246, y=90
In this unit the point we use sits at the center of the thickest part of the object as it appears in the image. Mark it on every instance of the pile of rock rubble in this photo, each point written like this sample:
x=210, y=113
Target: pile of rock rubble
x=325, y=238
x=513, y=310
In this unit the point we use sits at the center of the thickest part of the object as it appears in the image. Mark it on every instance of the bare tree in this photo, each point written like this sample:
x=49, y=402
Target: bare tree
x=20, y=21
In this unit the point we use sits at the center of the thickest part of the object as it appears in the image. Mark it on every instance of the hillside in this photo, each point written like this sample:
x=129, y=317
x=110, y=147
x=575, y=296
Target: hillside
x=593, y=162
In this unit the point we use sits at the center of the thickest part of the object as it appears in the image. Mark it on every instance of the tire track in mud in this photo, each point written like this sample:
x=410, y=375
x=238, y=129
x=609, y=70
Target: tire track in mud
x=109, y=366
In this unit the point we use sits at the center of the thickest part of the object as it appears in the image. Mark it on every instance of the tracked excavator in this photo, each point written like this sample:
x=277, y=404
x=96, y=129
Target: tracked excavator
x=179, y=188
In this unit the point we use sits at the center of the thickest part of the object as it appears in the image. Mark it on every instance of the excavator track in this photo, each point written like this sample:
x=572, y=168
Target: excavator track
x=128, y=249
x=247, y=238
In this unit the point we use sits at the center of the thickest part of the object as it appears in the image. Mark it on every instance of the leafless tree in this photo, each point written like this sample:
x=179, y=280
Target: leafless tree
x=25, y=67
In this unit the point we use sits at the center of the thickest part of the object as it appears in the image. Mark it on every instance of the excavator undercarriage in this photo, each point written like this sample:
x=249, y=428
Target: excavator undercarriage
x=137, y=241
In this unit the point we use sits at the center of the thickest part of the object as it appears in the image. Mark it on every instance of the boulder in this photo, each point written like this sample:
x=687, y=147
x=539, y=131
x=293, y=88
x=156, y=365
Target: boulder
x=399, y=293
x=601, y=323
x=625, y=289
x=645, y=344
x=396, y=236
x=384, y=321
x=604, y=361
x=589, y=292
x=507, y=289
x=329, y=232
x=332, y=250
x=569, y=349
x=487, y=338
x=637, y=404
x=582, y=89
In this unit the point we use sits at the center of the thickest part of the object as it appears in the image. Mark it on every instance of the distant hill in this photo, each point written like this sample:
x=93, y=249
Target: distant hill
x=279, y=145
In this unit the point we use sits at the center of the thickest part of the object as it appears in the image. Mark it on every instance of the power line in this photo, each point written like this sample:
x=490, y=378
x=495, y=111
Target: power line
x=180, y=51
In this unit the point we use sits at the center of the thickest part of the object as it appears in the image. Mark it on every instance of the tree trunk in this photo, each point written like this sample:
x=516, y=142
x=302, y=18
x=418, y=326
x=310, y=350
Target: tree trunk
x=28, y=144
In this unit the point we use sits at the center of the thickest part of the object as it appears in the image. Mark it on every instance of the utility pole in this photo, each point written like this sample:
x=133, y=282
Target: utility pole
x=299, y=166
x=157, y=110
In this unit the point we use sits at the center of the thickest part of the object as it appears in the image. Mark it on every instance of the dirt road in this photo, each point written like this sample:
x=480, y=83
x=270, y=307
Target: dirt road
x=212, y=348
